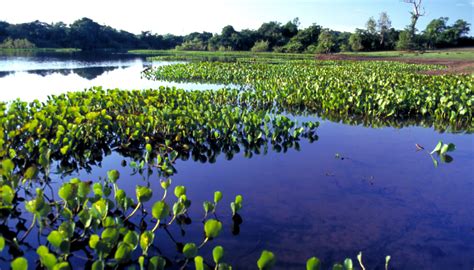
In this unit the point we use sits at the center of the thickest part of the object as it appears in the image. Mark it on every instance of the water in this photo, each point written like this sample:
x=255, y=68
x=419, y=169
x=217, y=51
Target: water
x=381, y=196
x=38, y=75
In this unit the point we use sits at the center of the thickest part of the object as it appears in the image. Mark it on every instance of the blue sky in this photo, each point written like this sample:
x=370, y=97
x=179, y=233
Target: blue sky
x=185, y=16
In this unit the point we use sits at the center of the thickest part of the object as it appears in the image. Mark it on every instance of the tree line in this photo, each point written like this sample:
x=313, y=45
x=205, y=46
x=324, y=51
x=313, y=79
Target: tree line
x=274, y=36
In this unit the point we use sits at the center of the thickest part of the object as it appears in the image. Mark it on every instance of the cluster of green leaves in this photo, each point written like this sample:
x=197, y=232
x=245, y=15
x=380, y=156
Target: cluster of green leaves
x=155, y=128
x=387, y=90
x=93, y=218
x=441, y=149
x=168, y=123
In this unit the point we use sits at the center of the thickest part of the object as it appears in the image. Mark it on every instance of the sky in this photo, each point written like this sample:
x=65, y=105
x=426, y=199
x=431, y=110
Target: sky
x=185, y=16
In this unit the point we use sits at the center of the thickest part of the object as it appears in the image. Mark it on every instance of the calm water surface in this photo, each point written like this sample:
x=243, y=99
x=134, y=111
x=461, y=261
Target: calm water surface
x=383, y=198
x=38, y=75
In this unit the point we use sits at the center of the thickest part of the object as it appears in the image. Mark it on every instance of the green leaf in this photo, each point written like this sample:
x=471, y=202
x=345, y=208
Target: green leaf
x=31, y=172
x=62, y=266
x=208, y=206
x=113, y=175
x=224, y=266
x=85, y=217
x=6, y=196
x=212, y=228
x=19, y=263
x=123, y=253
x=266, y=261
x=46, y=258
x=146, y=239
x=99, y=209
x=438, y=147
x=444, y=149
x=313, y=264
x=179, y=191
x=97, y=189
x=144, y=194
x=157, y=263
x=338, y=266
x=178, y=208
x=110, y=235
x=83, y=190
x=217, y=254
x=93, y=240
x=2, y=243
x=98, y=265
x=160, y=210
x=165, y=184
x=66, y=192
x=131, y=238
x=348, y=265
x=55, y=238
x=217, y=196
x=199, y=263
x=190, y=250
x=67, y=229
x=148, y=148
x=8, y=166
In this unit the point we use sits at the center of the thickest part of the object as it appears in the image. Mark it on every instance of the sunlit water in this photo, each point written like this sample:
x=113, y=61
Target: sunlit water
x=36, y=77
x=382, y=198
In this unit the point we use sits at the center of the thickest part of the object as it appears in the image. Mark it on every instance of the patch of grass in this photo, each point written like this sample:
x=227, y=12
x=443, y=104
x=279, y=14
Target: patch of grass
x=448, y=54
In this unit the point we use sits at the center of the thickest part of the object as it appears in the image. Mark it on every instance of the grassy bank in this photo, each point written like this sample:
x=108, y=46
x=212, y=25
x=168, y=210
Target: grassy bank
x=448, y=54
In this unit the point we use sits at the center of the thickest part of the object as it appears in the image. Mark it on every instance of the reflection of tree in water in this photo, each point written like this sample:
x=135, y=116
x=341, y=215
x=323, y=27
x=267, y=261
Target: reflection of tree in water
x=89, y=73
x=5, y=73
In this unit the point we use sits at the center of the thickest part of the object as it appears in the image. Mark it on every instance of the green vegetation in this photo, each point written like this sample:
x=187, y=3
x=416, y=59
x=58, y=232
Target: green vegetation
x=273, y=36
x=451, y=54
x=16, y=44
x=155, y=128
x=382, y=90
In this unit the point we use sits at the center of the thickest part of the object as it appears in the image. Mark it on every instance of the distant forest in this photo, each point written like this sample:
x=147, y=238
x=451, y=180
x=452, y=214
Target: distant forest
x=86, y=34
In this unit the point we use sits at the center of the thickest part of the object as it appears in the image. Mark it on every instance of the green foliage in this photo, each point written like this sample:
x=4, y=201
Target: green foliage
x=157, y=263
x=146, y=240
x=160, y=210
x=113, y=175
x=199, y=263
x=6, y=197
x=190, y=250
x=266, y=261
x=143, y=194
x=47, y=259
x=217, y=254
x=2, y=243
x=23, y=43
x=326, y=42
x=19, y=263
x=390, y=91
x=261, y=46
x=217, y=197
x=212, y=228
x=313, y=264
x=179, y=191
x=236, y=205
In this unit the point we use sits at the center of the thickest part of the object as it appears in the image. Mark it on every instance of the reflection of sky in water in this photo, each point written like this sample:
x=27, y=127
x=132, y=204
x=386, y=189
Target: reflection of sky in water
x=35, y=83
x=384, y=198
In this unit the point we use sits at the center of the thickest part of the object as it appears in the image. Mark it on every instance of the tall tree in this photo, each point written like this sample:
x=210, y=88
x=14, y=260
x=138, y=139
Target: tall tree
x=418, y=11
x=326, y=42
x=383, y=25
x=371, y=26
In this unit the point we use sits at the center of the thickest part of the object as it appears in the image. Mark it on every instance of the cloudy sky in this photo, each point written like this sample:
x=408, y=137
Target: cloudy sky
x=185, y=16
